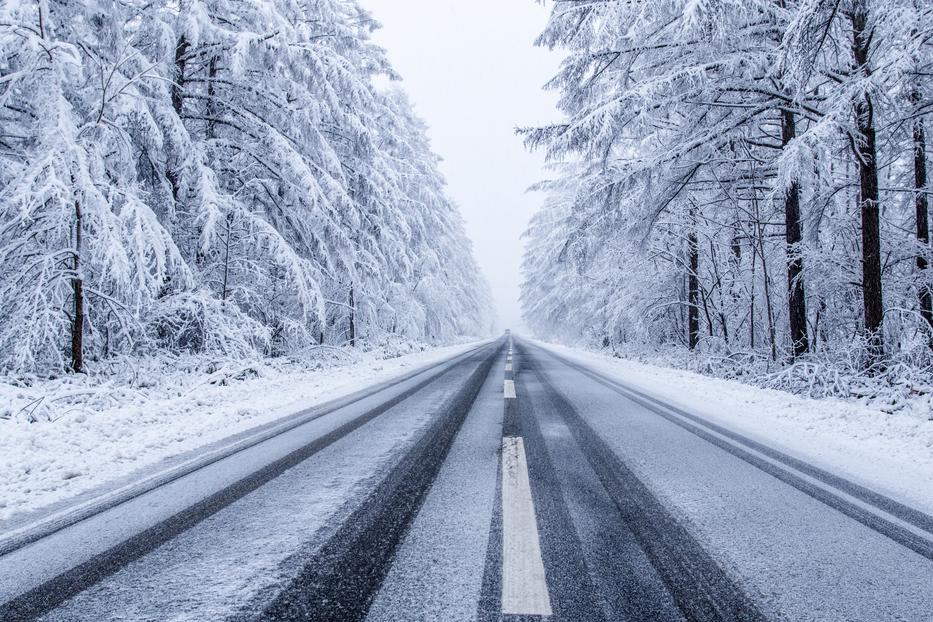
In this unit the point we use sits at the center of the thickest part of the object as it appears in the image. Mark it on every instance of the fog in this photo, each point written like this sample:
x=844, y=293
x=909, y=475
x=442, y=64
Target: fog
x=473, y=73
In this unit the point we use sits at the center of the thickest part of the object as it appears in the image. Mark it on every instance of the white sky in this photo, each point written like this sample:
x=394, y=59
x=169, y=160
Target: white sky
x=473, y=74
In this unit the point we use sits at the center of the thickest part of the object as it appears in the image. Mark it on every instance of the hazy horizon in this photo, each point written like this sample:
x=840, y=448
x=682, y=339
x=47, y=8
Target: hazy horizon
x=473, y=74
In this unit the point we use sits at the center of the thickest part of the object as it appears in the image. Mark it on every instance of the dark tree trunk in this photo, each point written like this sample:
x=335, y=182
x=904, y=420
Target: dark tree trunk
x=223, y=292
x=211, y=94
x=866, y=159
x=751, y=302
x=352, y=318
x=77, y=284
x=923, y=219
x=178, y=81
x=693, y=291
x=796, y=295
x=178, y=98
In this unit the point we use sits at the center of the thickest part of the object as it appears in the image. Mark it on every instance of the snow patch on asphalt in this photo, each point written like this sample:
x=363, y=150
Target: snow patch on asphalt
x=890, y=453
x=63, y=437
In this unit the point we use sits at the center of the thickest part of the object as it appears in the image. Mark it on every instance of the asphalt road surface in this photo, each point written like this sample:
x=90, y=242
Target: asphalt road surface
x=503, y=484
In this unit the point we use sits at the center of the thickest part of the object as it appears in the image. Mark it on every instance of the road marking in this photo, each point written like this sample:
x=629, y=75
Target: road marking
x=508, y=367
x=778, y=466
x=524, y=586
x=509, y=388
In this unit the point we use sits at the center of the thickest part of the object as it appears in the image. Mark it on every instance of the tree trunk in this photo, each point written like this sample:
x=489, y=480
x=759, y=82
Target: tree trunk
x=751, y=301
x=923, y=222
x=766, y=286
x=178, y=81
x=693, y=291
x=77, y=284
x=719, y=294
x=352, y=318
x=223, y=293
x=211, y=94
x=866, y=159
x=796, y=296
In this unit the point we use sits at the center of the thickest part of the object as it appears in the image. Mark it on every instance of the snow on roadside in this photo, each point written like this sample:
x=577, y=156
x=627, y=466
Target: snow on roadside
x=890, y=453
x=60, y=438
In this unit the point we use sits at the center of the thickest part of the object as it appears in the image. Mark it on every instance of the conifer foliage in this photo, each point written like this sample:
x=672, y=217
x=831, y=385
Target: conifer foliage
x=215, y=176
x=739, y=177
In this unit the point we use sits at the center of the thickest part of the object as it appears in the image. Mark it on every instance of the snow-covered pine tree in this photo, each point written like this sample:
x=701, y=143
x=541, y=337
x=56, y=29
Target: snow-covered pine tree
x=216, y=177
x=717, y=145
x=84, y=251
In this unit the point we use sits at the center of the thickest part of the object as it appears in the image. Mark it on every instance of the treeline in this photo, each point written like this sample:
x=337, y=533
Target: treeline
x=738, y=177
x=223, y=177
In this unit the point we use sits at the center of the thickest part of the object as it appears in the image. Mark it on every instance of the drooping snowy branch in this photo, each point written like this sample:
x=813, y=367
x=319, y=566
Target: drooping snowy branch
x=747, y=176
x=206, y=175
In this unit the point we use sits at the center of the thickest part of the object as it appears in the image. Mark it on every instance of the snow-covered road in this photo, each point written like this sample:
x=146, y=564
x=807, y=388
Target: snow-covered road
x=92, y=434
x=505, y=482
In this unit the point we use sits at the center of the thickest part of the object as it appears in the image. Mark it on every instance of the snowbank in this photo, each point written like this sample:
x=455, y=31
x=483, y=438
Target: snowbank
x=60, y=438
x=889, y=452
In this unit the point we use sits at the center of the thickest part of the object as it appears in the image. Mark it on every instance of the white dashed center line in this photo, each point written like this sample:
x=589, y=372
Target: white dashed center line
x=524, y=587
x=509, y=388
x=508, y=367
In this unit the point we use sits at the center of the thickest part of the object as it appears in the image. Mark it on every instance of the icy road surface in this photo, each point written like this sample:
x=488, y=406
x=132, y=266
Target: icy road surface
x=505, y=483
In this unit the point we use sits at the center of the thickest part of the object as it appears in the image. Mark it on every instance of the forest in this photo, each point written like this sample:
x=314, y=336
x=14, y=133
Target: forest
x=220, y=177
x=742, y=185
